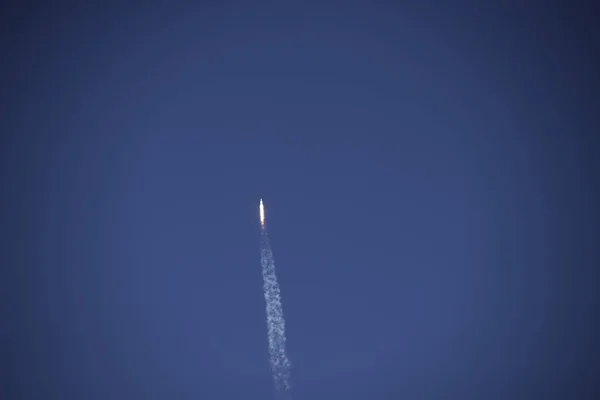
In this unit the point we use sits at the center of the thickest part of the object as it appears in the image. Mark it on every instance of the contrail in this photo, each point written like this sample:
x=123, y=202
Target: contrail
x=280, y=365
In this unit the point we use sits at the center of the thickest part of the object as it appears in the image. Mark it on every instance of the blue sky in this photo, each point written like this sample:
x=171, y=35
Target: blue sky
x=427, y=173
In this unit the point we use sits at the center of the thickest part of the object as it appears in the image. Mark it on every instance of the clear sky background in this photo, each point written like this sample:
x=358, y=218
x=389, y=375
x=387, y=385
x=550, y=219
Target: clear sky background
x=428, y=173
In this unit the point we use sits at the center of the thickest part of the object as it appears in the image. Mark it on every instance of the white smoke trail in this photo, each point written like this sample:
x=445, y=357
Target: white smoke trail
x=280, y=365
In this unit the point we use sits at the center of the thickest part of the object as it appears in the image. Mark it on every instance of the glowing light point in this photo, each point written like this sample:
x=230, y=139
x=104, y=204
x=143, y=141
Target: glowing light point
x=261, y=211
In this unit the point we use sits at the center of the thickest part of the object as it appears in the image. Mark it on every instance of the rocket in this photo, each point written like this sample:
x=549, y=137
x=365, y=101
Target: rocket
x=261, y=213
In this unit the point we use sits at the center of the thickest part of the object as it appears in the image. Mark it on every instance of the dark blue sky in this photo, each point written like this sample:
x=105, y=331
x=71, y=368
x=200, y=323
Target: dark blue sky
x=428, y=176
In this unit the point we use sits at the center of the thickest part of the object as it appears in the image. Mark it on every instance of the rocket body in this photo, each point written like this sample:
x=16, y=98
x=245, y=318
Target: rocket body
x=261, y=213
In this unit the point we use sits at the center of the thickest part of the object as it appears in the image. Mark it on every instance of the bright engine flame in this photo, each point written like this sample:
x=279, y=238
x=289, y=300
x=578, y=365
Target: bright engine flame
x=261, y=210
